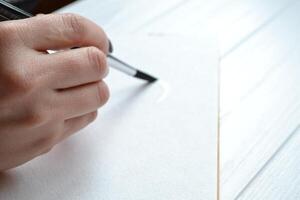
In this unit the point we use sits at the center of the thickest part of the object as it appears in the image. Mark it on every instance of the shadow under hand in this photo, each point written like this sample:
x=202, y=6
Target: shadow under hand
x=7, y=181
x=121, y=103
x=67, y=165
x=127, y=99
x=127, y=96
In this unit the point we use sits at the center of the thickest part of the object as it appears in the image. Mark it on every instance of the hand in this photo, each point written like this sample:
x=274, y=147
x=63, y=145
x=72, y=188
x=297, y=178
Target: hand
x=44, y=98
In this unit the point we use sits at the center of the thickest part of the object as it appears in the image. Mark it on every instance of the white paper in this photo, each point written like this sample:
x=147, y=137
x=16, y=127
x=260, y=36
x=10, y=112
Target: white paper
x=150, y=142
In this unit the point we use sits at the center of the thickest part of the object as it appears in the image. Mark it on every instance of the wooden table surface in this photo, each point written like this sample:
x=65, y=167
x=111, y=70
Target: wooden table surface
x=260, y=82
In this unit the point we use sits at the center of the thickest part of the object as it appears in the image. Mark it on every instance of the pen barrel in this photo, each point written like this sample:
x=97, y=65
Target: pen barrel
x=119, y=65
x=10, y=12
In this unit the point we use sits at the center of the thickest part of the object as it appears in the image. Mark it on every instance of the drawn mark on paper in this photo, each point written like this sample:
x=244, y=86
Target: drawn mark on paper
x=165, y=90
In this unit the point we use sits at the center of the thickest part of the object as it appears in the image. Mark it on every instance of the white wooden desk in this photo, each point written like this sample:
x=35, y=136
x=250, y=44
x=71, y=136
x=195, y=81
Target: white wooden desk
x=260, y=78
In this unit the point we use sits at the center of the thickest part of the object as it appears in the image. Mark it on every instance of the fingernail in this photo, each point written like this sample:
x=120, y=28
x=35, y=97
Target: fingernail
x=110, y=48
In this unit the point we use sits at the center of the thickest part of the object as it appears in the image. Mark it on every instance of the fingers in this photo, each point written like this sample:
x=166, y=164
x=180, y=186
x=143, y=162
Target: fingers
x=61, y=31
x=76, y=67
x=70, y=127
x=81, y=100
x=75, y=124
x=43, y=143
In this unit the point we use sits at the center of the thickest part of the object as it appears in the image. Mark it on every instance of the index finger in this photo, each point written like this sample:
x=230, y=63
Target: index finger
x=61, y=31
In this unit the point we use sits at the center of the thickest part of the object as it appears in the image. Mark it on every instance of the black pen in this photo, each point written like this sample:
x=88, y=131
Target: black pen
x=11, y=12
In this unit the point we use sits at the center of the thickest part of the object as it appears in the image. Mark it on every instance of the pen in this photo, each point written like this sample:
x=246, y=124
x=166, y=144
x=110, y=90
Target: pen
x=11, y=12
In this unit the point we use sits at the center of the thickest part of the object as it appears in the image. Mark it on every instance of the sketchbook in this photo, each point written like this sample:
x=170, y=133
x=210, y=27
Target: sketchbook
x=151, y=141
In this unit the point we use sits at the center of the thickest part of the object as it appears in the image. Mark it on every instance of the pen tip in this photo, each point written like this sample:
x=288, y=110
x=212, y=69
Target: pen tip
x=145, y=76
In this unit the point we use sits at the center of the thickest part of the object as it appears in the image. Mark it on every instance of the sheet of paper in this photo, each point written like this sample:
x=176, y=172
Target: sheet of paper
x=131, y=16
x=151, y=141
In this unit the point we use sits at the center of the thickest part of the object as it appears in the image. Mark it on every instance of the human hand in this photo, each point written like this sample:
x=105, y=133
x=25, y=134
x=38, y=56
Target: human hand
x=44, y=98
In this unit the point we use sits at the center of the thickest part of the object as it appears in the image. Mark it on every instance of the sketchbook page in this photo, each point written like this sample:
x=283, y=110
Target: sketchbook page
x=103, y=12
x=141, y=13
x=151, y=141
x=119, y=16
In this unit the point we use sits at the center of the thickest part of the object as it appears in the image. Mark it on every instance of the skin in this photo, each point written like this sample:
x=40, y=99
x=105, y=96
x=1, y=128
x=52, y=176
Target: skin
x=45, y=98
